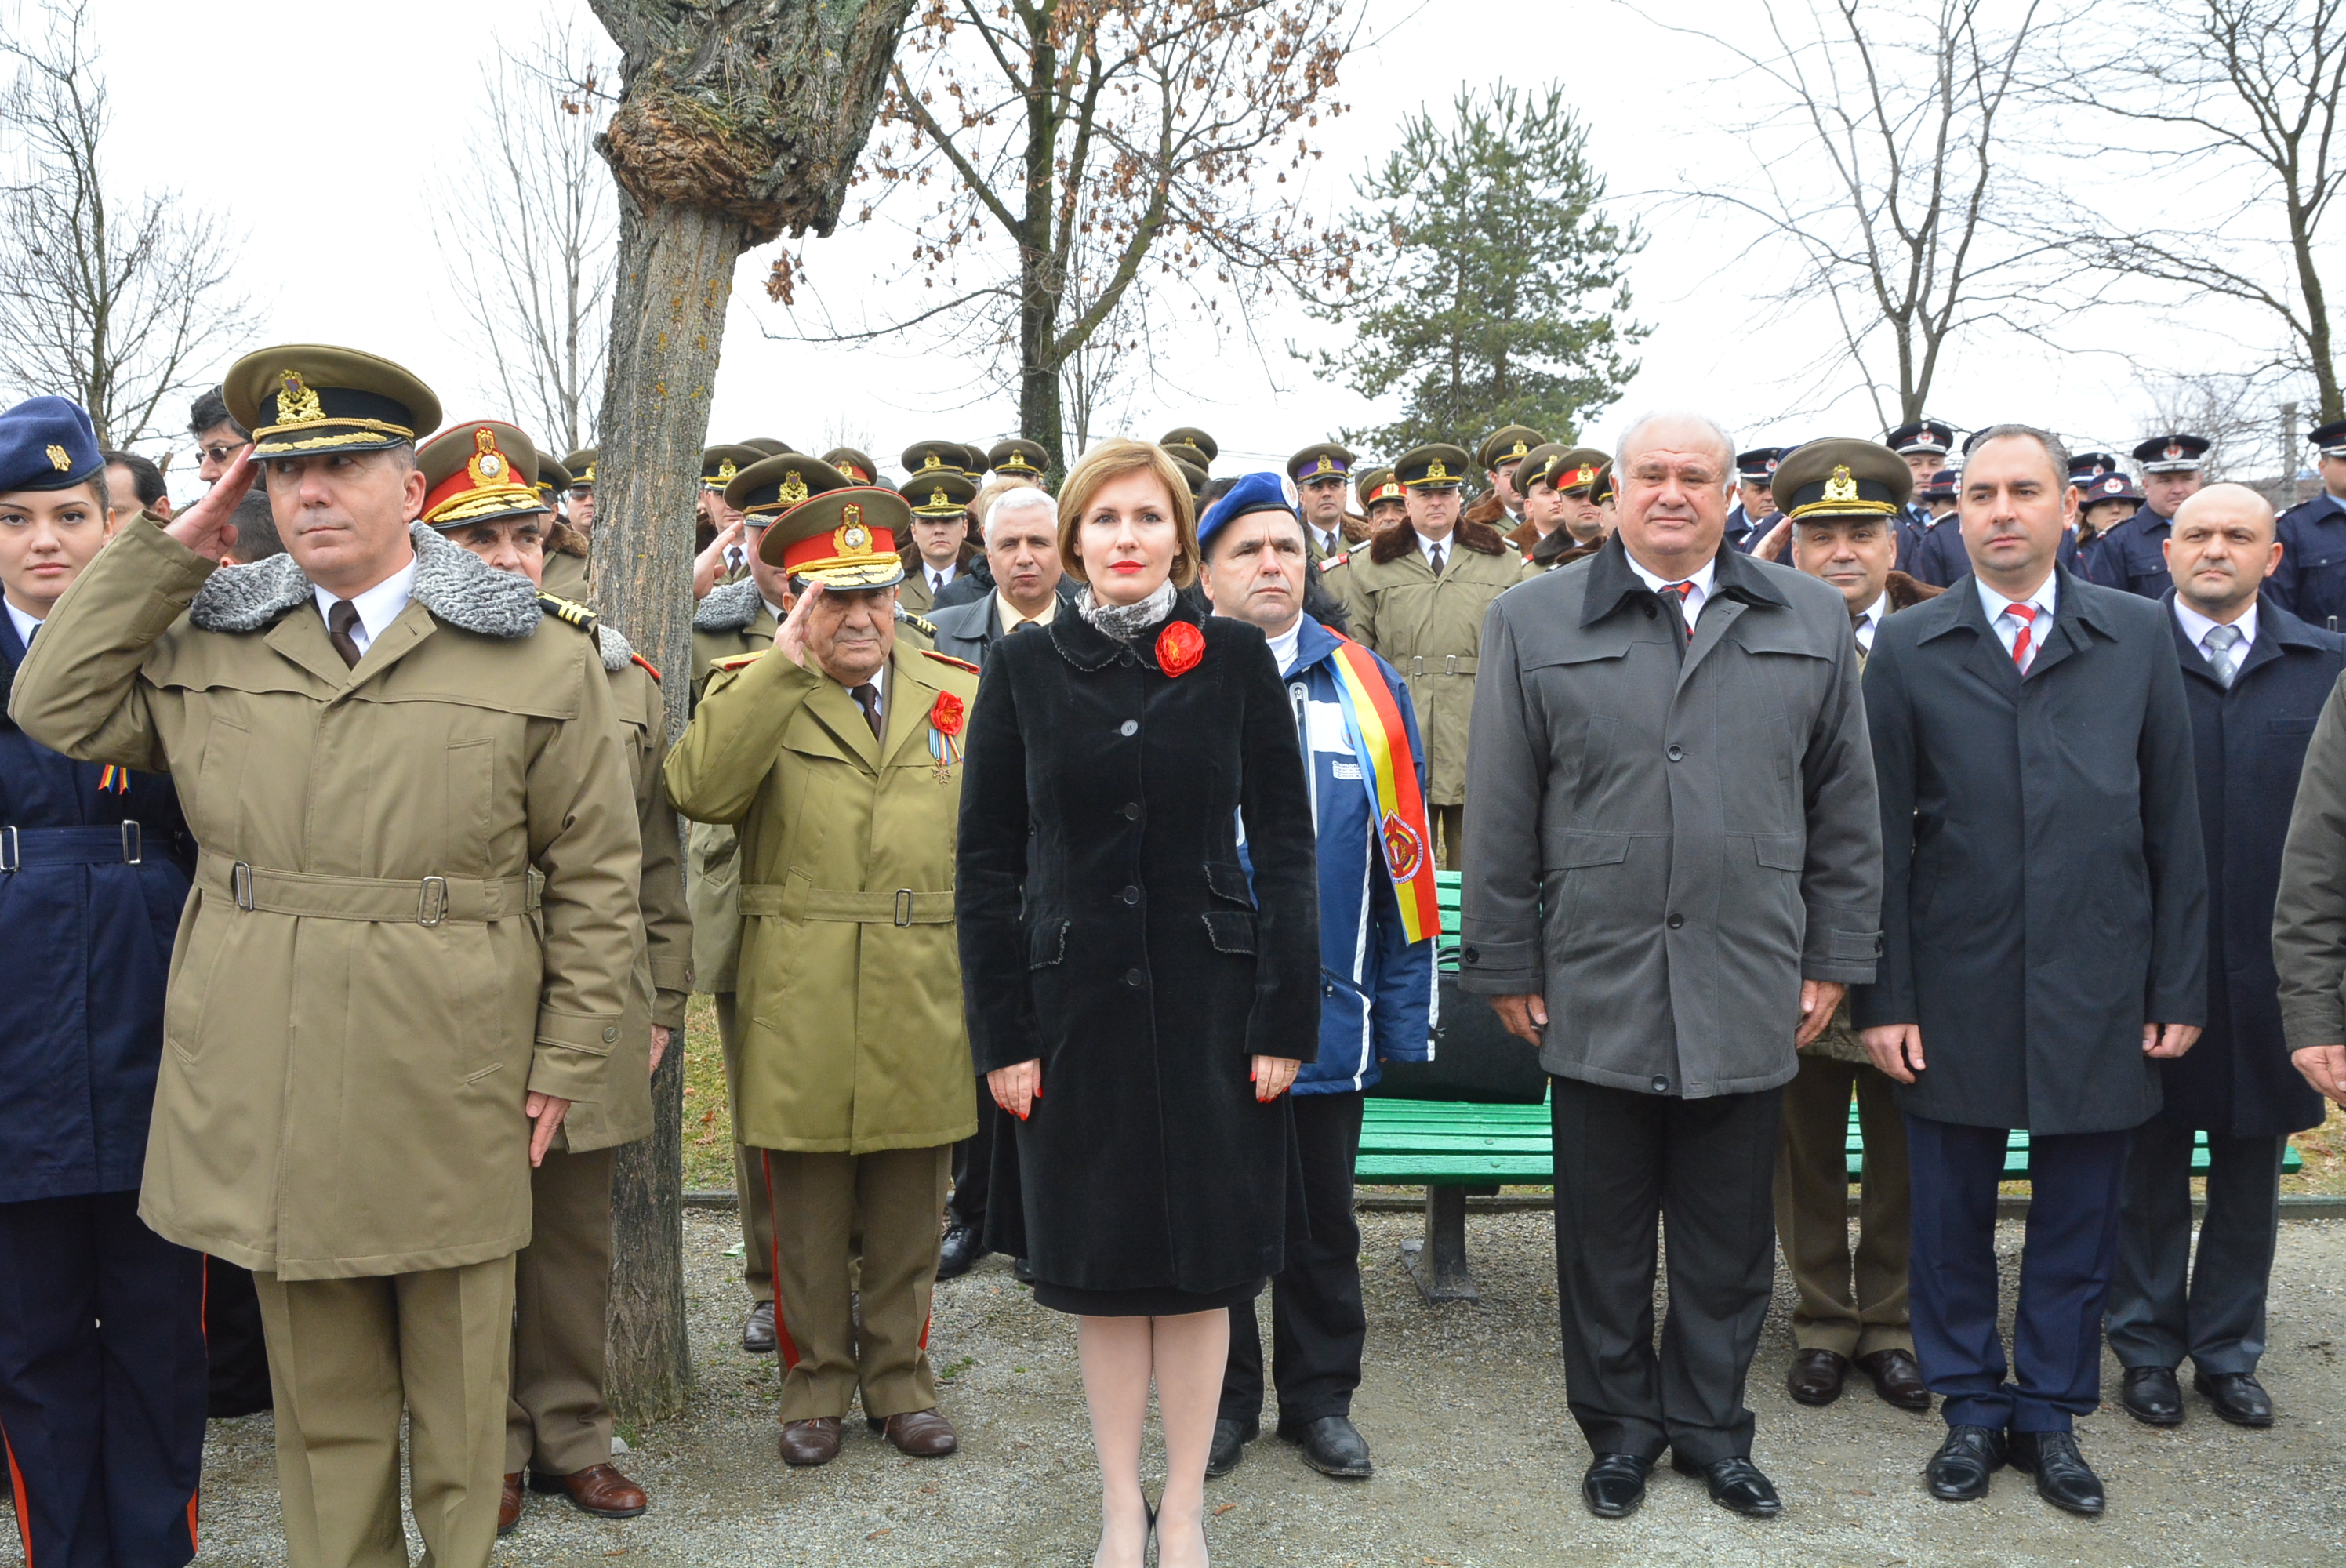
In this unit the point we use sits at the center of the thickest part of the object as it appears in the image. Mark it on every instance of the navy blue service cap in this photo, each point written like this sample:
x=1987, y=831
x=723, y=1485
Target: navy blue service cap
x=1921, y=435
x=2330, y=438
x=1252, y=493
x=2174, y=452
x=47, y=444
x=1758, y=467
x=2117, y=486
x=2087, y=466
x=1943, y=485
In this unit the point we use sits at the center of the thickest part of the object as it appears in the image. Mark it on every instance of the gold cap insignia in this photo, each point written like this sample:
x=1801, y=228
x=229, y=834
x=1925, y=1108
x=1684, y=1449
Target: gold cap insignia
x=296, y=403
x=1438, y=468
x=932, y=461
x=1323, y=465
x=1519, y=449
x=939, y=498
x=1583, y=475
x=588, y=477
x=60, y=458
x=488, y=465
x=725, y=473
x=1843, y=485
x=793, y=489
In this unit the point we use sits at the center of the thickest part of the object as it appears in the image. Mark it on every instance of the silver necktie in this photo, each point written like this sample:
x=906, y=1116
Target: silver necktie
x=2220, y=644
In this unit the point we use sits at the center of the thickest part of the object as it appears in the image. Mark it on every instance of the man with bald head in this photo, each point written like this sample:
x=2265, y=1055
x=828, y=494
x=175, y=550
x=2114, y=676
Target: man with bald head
x=1673, y=871
x=2256, y=677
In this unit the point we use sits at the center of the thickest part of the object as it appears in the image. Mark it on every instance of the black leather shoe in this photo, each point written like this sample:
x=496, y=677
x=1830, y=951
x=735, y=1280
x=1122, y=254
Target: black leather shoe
x=1615, y=1484
x=1021, y=1271
x=960, y=1251
x=1958, y=1472
x=1816, y=1376
x=1230, y=1439
x=2238, y=1396
x=1736, y=1484
x=1898, y=1379
x=1331, y=1445
x=2152, y=1395
x=758, y=1329
x=2064, y=1479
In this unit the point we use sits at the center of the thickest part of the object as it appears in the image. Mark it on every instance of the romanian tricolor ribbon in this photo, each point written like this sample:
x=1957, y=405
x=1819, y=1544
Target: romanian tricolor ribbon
x=1389, y=769
x=113, y=780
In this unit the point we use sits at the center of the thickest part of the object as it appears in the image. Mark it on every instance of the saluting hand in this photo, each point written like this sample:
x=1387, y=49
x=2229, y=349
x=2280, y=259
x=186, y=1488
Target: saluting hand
x=205, y=527
x=790, y=639
x=547, y=1111
x=711, y=561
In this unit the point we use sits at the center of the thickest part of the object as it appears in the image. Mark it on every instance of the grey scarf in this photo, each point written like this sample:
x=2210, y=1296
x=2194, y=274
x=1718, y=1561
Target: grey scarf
x=1125, y=622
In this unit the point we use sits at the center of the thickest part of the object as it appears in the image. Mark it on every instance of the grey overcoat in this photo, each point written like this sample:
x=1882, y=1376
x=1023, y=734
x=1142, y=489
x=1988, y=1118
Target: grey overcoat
x=1666, y=847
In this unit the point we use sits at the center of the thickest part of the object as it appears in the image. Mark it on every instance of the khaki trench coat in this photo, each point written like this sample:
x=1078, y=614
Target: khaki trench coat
x=341, y=1093
x=732, y=621
x=850, y=1001
x=1429, y=628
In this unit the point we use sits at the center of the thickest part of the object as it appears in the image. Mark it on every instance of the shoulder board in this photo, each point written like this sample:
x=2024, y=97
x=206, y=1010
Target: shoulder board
x=739, y=661
x=948, y=658
x=648, y=669
x=926, y=628
x=563, y=609
x=1332, y=562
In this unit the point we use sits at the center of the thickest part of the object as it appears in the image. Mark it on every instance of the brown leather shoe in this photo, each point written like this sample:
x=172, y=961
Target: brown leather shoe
x=922, y=1434
x=812, y=1442
x=509, y=1505
x=598, y=1489
x=1897, y=1377
x=1816, y=1376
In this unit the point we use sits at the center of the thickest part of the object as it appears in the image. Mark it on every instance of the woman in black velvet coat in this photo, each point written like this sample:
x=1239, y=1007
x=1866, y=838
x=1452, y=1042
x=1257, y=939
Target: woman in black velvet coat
x=1136, y=1002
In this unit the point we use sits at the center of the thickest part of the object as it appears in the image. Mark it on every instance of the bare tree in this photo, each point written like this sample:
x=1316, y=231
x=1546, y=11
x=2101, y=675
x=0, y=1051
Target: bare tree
x=1165, y=137
x=114, y=299
x=2244, y=94
x=1878, y=173
x=734, y=124
x=532, y=268
x=2240, y=412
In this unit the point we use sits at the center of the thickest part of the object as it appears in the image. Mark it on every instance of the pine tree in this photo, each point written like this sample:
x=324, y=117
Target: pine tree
x=1501, y=294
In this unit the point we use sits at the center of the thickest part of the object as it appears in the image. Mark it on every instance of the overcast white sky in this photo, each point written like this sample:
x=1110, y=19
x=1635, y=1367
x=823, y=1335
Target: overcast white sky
x=321, y=133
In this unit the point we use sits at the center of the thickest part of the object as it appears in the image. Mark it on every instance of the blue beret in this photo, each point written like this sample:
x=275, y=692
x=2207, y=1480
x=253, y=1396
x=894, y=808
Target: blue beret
x=1254, y=493
x=47, y=444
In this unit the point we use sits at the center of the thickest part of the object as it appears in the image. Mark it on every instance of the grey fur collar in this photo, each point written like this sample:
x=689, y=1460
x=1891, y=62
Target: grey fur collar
x=457, y=585
x=730, y=608
x=615, y=648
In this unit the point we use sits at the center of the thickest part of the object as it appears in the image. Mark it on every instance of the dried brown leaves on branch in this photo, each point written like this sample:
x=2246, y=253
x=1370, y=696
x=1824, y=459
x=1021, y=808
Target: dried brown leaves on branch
x=1059, y=165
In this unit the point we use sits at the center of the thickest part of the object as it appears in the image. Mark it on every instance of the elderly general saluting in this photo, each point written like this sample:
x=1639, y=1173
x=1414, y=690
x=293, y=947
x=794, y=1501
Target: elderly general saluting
x=837, y=751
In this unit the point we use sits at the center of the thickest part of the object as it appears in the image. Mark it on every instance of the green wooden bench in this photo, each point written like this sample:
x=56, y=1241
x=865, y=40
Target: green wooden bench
x=1456, y=1149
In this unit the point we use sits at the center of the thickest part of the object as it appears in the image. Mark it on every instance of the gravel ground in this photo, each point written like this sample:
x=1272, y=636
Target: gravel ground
x=1477, y=1459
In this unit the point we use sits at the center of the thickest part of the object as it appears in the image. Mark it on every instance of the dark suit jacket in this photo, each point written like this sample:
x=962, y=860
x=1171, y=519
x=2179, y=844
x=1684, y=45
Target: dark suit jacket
x=969, y=629
x=2044, y=891
x=2250, y=744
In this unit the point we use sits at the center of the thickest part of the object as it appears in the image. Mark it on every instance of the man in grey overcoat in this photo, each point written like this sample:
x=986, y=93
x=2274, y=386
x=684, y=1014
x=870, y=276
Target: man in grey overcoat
x=1673, y=871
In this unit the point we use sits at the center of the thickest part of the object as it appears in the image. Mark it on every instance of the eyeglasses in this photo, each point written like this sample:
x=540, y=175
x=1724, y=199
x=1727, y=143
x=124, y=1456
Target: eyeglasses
x=221, y=454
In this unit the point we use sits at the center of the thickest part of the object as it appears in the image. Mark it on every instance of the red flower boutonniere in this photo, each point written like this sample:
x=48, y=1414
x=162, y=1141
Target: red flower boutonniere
x=1180, y=647
x=947, y=715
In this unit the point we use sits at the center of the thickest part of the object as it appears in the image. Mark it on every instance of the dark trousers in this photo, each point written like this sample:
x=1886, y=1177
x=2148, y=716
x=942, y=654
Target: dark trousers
x=1706, y=1168
x=102, y=1383
x=240, y=1352
x=2164, y=1303
x=2075, y=1184
x=1812, y=1210
x=1317, y=1324
x=973, y=1163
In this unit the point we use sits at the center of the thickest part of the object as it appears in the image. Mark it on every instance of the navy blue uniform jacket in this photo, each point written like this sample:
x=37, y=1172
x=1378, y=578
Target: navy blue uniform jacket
x=87, y=936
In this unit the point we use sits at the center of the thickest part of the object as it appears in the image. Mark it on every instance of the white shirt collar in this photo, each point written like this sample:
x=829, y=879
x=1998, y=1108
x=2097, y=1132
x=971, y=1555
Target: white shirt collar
x=2196, y=626
x=1007, y=618
x=1330, y=539
x=25, y=624
x=879, y=681
x=1448, y=543
x=1701, y=579
x=378, y=606
x=941, y=576
x=1995, y=603
x=1283, y=646
x=1869, y=621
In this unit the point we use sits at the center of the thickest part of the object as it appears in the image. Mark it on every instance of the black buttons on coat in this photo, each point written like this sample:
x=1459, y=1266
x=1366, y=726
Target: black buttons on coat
x=1132, y=810
x=1676, y=754
x=1130, y=895
x=1675, y=922
x=1134, y=978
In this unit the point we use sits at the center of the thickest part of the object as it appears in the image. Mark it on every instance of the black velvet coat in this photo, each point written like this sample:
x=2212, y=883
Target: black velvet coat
x=1108, y=928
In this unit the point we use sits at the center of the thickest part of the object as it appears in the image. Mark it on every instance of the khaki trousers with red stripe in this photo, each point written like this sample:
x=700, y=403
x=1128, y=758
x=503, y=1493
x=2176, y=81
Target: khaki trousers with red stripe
x=850, y=1319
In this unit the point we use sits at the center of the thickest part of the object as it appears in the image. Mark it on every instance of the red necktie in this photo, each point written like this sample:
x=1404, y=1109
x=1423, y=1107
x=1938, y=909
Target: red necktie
x=1684, y=591
x=2021, y=643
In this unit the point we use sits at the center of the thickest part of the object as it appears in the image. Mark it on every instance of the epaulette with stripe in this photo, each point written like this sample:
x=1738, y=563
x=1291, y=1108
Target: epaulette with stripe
x=562, y=609
x=926, y=629
x=648, y=669
x=1332, y=562
x=948, y=658
x=738, y=661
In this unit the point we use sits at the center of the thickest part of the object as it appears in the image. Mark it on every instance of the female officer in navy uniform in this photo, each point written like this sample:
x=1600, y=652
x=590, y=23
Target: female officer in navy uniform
x=102, y=1367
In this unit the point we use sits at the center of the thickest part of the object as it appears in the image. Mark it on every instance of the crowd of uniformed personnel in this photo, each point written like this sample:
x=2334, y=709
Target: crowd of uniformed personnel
x=354, y=754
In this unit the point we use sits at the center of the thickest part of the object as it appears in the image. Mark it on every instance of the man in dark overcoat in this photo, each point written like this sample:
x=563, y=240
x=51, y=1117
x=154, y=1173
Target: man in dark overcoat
x=1675, y=838
x=2256, y=677
x=2043, y=945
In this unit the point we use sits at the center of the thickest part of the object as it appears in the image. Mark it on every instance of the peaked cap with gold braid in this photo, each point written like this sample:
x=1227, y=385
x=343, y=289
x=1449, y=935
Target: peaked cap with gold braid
x=300, y=400
x=476, y=471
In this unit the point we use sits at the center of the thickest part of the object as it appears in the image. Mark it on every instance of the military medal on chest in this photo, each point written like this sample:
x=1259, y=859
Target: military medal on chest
x=945, y=720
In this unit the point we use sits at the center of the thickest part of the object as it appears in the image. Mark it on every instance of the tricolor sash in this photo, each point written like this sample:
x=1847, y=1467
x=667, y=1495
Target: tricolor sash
x=1389, y=771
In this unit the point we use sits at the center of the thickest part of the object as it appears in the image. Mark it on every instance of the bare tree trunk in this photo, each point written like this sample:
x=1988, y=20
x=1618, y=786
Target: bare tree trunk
x=676, y=277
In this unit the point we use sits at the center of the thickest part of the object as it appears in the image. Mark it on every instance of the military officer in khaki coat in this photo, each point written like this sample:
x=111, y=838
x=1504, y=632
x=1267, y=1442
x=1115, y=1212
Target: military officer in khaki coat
x=941, y=549
x=741, y=618
x=557, y=1420
x=1416, y=595
x=421, y=866
x=837, y=753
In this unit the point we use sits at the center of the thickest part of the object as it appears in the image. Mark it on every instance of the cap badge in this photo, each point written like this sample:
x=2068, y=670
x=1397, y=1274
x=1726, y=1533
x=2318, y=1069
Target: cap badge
x=939, y=498
x=296, y=403
x=1843, y=485
x=60, y=458
x=1438, y=468
x=1518, y=450
x=2174, y=449
x=1583, y=475
x=725, y=473
x=1772, y=465
x=1324, y=465
x=932, y=461
x=488, y=464
x=587, y=476
x=793, y=490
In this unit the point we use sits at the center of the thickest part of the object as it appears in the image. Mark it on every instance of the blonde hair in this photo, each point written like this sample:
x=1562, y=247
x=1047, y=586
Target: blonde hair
x=982, y=505
x=1105, y=464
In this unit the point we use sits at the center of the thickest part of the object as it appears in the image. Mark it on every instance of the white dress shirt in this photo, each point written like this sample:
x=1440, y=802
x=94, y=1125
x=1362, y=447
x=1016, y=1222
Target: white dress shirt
x=1696, y=597
x=378, y=606
x=1869, y=621
x=1447, y=545
x=25, y=624
x=940, y=575
x=775, y=610
x=2196, y=626
x=879, y=683
x=1331, y=542
x=2007, y=627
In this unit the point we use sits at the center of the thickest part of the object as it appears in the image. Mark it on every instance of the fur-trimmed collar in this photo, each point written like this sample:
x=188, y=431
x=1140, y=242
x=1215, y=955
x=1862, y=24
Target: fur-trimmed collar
x=1906, y=591
x=457, y=586
x=1396, y=540
x=614, y=647
x=730, y=608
